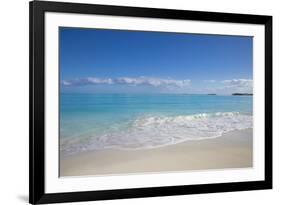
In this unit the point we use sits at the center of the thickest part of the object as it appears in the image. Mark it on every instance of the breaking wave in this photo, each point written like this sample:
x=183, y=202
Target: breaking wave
x=148, y=132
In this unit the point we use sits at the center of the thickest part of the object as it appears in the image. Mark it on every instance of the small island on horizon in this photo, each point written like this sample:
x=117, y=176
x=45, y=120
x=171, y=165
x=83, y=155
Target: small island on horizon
x=247, y=94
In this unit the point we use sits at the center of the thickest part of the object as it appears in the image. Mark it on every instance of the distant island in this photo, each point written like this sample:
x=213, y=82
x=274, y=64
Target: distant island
x=242, y=93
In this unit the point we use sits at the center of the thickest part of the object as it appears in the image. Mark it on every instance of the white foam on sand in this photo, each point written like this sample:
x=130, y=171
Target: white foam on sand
x=148, y=132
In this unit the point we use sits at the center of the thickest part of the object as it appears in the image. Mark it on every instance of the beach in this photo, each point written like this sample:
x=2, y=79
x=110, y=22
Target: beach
x=231, y=150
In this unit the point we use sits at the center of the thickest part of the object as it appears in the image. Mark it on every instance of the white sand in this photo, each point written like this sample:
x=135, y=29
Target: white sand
x=232, y=150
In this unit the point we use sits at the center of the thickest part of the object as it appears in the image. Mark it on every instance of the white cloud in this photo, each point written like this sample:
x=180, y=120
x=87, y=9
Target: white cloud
x=238, y=85
x=87, y=81
x=149, y=81
x=66, y=83
x=99, y=80
x=155, y=82
x=242, y=83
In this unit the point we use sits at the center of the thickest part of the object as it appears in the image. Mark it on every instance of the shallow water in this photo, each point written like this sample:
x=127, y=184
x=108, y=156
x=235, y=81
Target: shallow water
x=138, y=121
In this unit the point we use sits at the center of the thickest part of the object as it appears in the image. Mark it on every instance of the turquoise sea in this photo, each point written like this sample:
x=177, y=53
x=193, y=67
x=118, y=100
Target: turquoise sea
x=141, y=121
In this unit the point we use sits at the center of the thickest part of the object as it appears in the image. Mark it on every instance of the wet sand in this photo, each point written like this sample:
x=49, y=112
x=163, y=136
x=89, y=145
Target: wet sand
x=232, y=150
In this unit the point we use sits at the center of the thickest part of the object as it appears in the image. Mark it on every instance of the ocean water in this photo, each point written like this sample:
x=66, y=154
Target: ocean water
x=144, y=121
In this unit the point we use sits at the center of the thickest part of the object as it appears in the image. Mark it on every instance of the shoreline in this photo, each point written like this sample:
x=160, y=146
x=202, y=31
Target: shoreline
x=231, y=150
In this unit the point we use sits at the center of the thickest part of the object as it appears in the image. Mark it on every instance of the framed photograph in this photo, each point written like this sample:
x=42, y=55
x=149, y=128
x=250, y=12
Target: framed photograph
x=130, y=102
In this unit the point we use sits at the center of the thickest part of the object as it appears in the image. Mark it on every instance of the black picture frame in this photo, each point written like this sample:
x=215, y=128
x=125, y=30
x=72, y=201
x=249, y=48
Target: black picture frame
x=37, y=194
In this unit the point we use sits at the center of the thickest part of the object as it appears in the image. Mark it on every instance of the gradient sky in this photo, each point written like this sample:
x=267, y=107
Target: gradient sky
x=94, y=60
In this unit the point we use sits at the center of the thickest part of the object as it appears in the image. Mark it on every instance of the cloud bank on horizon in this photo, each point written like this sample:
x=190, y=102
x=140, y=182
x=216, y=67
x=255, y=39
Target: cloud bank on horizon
x=173, y=85
x=137, y=81
x=240, y=83
x=229, y=86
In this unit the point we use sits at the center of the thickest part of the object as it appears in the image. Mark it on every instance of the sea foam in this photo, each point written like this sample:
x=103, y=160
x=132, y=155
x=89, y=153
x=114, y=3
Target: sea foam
x=148, y=132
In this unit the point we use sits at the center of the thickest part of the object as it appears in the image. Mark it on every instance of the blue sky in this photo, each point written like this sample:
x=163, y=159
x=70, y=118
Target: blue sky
x=94, y=60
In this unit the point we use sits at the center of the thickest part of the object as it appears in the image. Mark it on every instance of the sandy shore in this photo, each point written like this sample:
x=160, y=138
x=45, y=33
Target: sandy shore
x=232, y=150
